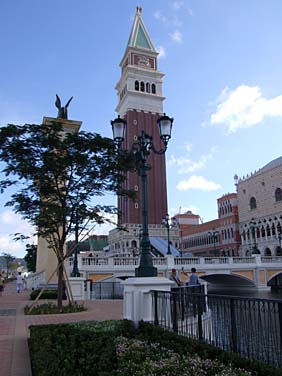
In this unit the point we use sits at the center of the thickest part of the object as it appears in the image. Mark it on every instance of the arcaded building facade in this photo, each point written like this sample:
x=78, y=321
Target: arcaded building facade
x=260, y=210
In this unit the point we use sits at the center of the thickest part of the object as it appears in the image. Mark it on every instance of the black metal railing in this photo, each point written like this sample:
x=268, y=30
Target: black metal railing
x=248, y=326
x=106, y=290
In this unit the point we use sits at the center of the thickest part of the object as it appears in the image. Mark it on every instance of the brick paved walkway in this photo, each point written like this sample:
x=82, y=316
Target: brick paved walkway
x=14, y=355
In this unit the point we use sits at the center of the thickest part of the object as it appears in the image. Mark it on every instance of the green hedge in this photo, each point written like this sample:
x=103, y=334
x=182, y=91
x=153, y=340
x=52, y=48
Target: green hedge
x=88, y=348
x=47, y=294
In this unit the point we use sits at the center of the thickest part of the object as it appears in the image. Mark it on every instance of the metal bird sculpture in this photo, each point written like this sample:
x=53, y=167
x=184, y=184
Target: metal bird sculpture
x=62, y=111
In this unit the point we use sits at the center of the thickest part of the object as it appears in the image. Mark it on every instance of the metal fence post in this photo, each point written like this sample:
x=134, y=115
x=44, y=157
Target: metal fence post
x=200, y=322
x=233, y=326
x=280, y=322
x=156, y=318
x=174, y=312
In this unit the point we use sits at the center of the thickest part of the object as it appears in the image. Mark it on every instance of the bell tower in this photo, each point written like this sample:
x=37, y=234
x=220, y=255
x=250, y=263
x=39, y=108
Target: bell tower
x=140, y=103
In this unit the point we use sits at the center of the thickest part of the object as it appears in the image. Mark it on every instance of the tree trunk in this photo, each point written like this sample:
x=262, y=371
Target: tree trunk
x=60, y=280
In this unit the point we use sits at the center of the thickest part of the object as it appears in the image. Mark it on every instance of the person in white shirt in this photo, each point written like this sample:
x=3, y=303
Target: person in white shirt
x=19, y=282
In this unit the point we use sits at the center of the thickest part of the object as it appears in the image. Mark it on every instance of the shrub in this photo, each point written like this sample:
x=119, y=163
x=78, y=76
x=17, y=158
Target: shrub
x=47, y=294
x=86, y=348
x=115, y=348
x=136, y=357
x=51, y=308
x=183, y=345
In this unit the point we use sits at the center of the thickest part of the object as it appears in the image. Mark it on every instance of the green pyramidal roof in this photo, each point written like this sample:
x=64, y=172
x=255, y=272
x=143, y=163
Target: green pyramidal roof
x=139, y=36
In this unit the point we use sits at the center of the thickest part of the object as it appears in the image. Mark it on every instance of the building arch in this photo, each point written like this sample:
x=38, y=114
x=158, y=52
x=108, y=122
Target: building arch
x=278, y=251
x=142, y=86
x=136, y=85
x=267, y=252
x=153, y=89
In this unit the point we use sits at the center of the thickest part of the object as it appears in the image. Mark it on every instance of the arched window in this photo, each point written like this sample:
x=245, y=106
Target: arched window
x=142, y=86
x=273, y=229
x=137, y=85
x=278, y=194
x=244, y=235
x=133, y=244
x=253, y=203
x=147, y=87
x=153, y=88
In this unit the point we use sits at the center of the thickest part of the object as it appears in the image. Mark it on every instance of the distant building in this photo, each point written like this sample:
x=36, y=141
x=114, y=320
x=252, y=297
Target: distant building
x=219, y=237
x=260, y=210
x=127, y=242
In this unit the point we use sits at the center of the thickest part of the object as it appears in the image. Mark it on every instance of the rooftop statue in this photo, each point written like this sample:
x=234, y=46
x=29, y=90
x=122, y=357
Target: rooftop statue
x=62, y=111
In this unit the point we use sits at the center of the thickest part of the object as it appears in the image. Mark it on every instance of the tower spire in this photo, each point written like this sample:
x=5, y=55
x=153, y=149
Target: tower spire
x=139, y=36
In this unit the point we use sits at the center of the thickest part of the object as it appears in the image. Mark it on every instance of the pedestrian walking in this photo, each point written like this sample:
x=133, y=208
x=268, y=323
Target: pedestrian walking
x=2, y=284
x=194, y=279
x=174, y=277
x=19, y=282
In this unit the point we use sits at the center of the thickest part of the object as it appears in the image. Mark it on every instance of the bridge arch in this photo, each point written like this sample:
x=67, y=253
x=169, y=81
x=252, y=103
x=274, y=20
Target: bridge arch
x=275, y=280
x=267, y=252
x=228, y=280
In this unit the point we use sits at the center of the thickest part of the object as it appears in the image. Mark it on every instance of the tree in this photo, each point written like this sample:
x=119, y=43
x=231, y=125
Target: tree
x=9, y=261
x=57, y=175
x=30, y=257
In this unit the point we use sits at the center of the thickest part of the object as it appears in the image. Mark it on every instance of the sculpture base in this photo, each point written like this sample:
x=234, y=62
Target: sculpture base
x=146, y=271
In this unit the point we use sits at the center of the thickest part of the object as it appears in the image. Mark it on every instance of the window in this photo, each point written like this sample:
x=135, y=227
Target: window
x=135, y=187
x=142, y=86
x=136, y=206
x=278, y=194
x=136, y=85
x=253, y=203
x=153, y=88
x=147, y=87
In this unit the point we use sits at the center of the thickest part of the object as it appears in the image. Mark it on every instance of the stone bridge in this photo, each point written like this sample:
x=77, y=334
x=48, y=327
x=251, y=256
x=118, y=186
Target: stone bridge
x=256, y=271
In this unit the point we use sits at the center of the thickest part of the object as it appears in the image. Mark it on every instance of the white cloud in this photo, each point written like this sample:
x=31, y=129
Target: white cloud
x=11, y=223
x=177, y=4
x=184, y=209
x=8, y=245
x=244, y=107
x=162, y=52
x=188, y=147
x=186, y=165
x=160, y=16
x=197, y=182
x=180, y=5
x=176, y=36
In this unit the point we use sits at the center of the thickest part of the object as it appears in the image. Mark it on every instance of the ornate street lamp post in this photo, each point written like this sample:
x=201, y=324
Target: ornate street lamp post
x=253, y=227
x=214, y=234
x=279, y=237
x=169, y=223
x=75, y=271
x=141, y=150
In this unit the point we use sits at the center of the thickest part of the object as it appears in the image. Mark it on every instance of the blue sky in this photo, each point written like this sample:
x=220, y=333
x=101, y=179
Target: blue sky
x=223, y=83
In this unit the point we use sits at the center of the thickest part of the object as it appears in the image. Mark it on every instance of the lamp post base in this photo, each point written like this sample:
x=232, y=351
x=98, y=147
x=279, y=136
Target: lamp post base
x=146, y=271
x=75, y=274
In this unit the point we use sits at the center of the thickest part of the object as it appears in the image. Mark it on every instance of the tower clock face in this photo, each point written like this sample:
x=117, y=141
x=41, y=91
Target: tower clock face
x=143, y=60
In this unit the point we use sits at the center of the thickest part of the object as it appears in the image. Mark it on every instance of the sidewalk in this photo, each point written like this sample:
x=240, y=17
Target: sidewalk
x=14, y=354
